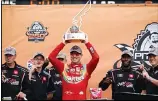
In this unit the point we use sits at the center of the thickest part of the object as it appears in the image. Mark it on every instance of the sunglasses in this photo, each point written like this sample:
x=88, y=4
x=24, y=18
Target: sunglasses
x=75, y=53
x=8, y=55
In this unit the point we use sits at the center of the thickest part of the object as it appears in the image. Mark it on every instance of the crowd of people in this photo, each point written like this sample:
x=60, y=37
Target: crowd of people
x=63, y=81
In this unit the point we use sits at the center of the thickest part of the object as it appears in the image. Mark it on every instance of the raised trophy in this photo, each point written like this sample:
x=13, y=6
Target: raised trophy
x=74, y=34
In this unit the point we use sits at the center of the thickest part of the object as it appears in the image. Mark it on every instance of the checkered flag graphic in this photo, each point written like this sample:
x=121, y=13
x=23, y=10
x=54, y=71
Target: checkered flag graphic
x=124, y=47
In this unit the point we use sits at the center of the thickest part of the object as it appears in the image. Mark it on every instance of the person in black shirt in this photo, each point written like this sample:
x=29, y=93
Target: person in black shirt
x=152, y=75
x=15, y=83
x=123, y=79
x=57, y=95
x=40, y=81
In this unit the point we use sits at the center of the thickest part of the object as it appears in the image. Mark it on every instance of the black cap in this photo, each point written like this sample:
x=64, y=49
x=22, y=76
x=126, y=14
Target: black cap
x=76, y=49
x=39, y=54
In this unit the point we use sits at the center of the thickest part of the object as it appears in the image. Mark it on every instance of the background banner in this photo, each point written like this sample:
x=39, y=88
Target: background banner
x=105, y=25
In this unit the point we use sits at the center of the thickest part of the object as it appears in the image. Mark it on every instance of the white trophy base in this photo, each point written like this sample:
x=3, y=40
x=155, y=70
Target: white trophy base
x=75, y=37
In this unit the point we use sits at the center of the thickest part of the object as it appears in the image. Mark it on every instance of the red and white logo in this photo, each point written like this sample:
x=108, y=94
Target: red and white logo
x=44, y=78
x=15, y=72
x=95, y=93
x=131, y=76
x=68, y=92
x=72, y=70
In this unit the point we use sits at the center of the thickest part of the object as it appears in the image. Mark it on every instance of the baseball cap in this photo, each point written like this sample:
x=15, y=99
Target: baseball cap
x=61, y=55
x=38, y=54
x=127, y=52
x=10, y=50
x=153, y=51
x=76, y=49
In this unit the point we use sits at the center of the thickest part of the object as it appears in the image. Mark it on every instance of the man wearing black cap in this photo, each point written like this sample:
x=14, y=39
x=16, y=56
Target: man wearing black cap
x=123, y=79
x=152, y=75
x=15, y=83
x=75, y=75
x=40, y=81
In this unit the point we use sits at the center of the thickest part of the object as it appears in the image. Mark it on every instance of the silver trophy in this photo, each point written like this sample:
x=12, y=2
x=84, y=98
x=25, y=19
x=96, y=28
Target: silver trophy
x=74, y=34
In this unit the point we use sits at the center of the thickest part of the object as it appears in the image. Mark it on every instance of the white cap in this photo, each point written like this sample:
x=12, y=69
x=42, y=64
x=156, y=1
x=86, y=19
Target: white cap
x=61, y=55
x=127, y=52
x=10, y=50
x=153, y=51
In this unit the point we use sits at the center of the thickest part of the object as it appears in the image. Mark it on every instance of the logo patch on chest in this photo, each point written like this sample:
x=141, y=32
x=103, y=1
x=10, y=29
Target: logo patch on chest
x=44, y=78
x=74, y=75
x=15, y=72
x=131, y=75
x=119, y=75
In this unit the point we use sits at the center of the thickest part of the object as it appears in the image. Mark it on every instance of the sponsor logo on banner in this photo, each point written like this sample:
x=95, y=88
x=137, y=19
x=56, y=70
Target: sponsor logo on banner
x=37, y=32
x=145, y=41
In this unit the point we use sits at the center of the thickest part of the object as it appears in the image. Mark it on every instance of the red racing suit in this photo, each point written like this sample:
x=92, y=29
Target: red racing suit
x=74, y=76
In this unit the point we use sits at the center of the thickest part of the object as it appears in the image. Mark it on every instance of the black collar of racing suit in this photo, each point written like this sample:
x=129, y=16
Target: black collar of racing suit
x=156, y=68
x=11, y=68
x=128, y=69
x=153, y=69
x=38, y=73
x=45, y=65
